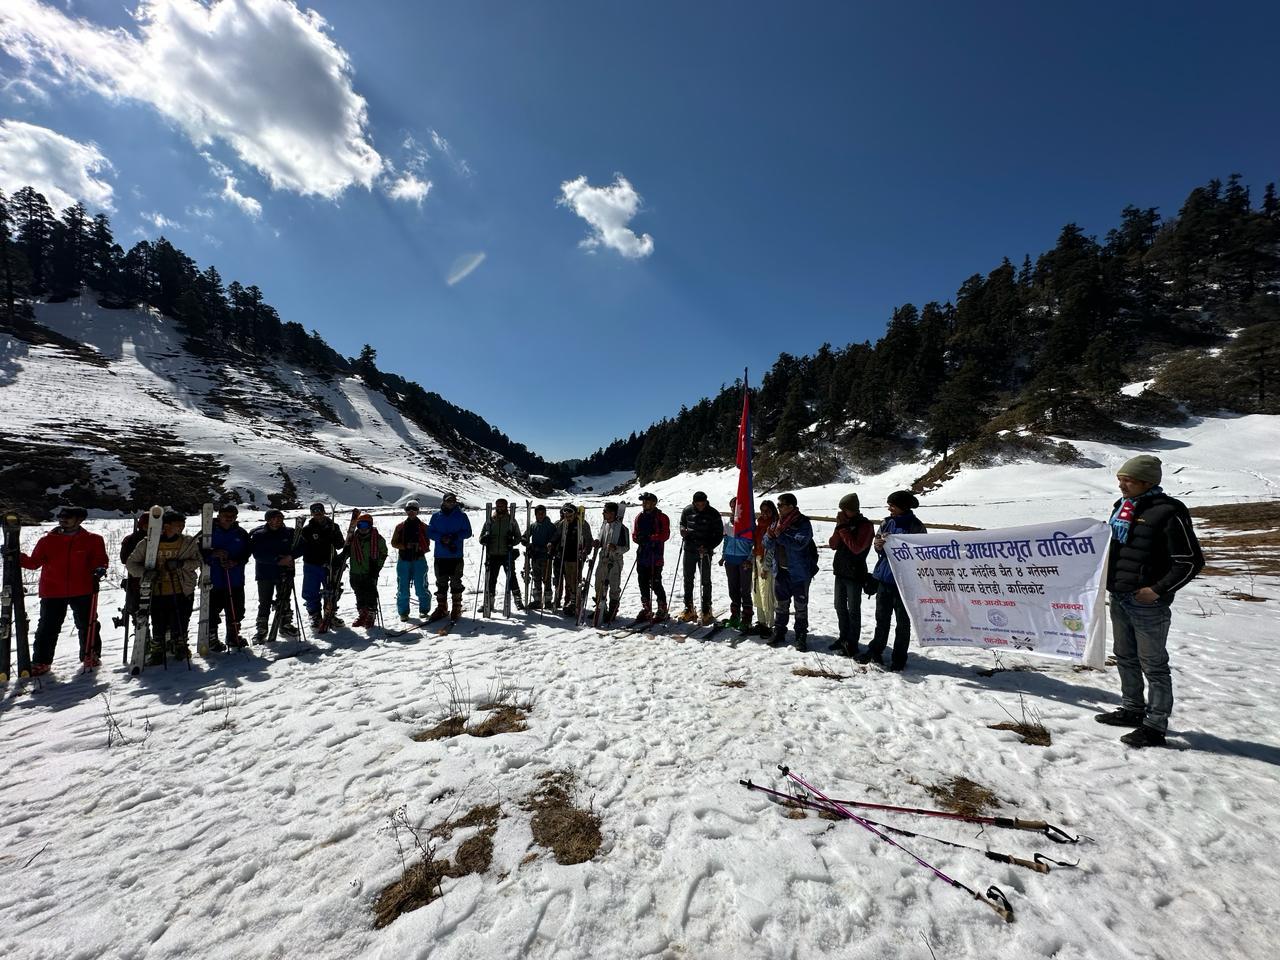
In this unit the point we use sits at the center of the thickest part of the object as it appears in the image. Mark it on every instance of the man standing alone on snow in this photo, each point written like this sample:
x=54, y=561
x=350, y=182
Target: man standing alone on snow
x=410, y=538
x=1154, y=553
x=71, y=561
x=702, y=530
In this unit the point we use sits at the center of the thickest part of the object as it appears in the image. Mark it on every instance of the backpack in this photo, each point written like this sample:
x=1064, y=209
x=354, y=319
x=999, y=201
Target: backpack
x=811, y=551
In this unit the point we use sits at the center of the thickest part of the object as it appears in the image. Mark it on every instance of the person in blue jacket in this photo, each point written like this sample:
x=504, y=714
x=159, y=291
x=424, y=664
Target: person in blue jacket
x=889, y=603
x=738, y=562
x=795, y=561
x=272, y=548
x=449, y=527
x=227, y=554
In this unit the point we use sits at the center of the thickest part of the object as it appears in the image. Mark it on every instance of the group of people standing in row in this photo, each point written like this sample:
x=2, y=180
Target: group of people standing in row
x=769, y=569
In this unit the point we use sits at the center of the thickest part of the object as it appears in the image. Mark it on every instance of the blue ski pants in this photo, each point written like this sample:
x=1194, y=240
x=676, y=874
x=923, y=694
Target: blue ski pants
x=313, y=578
x=415, y=570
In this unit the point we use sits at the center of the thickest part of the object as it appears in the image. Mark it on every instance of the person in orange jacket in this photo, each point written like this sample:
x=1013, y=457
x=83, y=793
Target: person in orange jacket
x=71, y=561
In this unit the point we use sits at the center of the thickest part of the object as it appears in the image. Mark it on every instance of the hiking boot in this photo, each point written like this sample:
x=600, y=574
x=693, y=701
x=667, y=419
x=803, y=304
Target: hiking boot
x=440, y=612
x=40, y=669
x=181, y=652
x=216, y=645
x=260, y=637
x=897, y=666
x=90, y=662
x=1120, y=718
x=778, y=638
x=688, y=616
x=706, y=619
x=868, y=657
x=802, y=643
x=644, y=616
x=1144, y=736
x=404, y=617
x=455, y=613
x=661, y=615
x=289, y=629
x=237, y=642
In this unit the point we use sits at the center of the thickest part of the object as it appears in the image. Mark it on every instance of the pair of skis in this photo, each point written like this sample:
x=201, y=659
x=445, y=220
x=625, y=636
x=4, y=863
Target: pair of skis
x=142, y=615
x=13, y=609
x=332, y=589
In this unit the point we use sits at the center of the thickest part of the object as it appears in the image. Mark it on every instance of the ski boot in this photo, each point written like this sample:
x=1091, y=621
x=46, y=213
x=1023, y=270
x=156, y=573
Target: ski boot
x=289, y=630
x=455, y=611
x=644, y=616
x=661, y=614
x=439, y=613
x=706, y=619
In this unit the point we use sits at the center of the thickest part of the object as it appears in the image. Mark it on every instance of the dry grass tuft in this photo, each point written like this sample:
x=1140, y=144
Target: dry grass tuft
x=418, y=886
x=962, y=795
x=821, y=673
x=506, y=719
x=737, y=683
x=571, y=834
x=448, y=727
x=1032, y=732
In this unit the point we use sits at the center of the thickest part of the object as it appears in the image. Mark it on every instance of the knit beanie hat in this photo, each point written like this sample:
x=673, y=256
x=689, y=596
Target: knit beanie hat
x=1143, y=467
x=849, y=503
x=903, y=500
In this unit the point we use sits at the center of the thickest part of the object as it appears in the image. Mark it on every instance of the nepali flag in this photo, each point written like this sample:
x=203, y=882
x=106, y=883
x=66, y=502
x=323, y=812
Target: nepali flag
x=744, y=511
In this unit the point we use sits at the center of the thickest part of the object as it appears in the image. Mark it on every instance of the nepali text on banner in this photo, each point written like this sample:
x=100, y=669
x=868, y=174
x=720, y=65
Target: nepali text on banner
x=1035, y=589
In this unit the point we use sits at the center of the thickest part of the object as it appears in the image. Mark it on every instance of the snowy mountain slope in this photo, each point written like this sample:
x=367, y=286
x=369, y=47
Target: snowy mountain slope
x=247, y=813
x=337, y=440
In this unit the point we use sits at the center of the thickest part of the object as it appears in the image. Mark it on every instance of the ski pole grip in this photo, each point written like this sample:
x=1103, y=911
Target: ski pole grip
x=786, y=771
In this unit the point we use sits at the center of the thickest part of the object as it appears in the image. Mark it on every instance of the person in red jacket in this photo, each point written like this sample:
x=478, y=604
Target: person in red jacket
x=71, y=561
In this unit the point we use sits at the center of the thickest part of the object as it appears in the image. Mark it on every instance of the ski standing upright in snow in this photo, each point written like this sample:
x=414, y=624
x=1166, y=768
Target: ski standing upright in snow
x=13, y=609
x=206, y=579
x=142, y=617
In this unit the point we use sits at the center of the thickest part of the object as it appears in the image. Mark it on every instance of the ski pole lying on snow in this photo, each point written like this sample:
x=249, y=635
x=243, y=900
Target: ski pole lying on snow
x=994, y=897
x=1038, y=862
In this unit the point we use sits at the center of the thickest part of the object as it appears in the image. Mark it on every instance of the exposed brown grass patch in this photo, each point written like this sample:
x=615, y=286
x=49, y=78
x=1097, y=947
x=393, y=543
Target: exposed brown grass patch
x=962, y=795
x=1036, y=734
x=571, y=834
x=448, y=727
x=1016, y=668
x=506, y=719
x=822, y=673
x=1241, y=595
x=419, y=885
x=1240, y=516
x=736, y=683
x=482, y=815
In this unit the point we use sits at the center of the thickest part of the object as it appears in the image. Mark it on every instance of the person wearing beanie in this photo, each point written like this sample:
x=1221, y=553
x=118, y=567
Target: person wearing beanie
x=368, y=552
x=542, y=542
x=650, y=531
x=795, y=561
x=766, y=603
x=851, y=540
x=702, y=530
x=72, y=561
x=449, y=528
x=411, y=540
x=272, y=548
x=321, y=542
x=613, y=543
x=890, y=610
x=573, y=541
x=501, y=537
x=173, y=588
x=227, y=555
x=1154, y=553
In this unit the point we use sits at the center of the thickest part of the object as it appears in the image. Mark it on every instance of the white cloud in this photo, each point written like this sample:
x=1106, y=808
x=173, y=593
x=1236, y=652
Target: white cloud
x=409, y=188
x=161, y=222
x=445, y=148
x=464, y=266
x=608, y=210
x=248, y=205
x=203, y=213
x=64, y=170
x=260, y=75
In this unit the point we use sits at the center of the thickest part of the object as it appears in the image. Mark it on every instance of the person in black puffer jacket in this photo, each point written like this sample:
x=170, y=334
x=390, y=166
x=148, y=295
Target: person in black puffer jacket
x=702, y=531
x=1154, y=553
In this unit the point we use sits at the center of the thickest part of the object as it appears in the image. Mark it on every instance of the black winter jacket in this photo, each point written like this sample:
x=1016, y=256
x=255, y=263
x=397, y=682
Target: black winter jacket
x=701, y=528
x=1162, y=551
x=318, y=536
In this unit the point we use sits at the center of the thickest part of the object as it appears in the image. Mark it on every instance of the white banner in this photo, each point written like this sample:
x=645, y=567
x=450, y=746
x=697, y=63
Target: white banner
x=1034, y=589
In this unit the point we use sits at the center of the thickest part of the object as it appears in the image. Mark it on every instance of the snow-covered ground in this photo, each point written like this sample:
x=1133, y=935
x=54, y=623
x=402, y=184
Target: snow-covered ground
x=246, y=814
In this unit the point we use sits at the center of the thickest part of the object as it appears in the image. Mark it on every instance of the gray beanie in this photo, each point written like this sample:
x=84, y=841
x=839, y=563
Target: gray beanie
x=1143, y=467
x=849, y=503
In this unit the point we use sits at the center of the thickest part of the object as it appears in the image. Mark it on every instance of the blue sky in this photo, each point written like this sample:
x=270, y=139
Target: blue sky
x=790, y=172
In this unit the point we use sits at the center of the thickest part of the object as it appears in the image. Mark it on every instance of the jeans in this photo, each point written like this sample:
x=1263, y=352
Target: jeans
x=415, y=571
x=738, y=573
x=784, y=591
x=1140, y=634
x=889, y=606
x=314, y=576
x=693, y=559
x=53, y=610
x=849, y=611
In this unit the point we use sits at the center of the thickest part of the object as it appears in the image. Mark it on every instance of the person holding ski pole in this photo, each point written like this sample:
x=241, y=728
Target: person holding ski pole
x=173, y=591
x=541, y=540
x=368, y=552
x=1154, y=554
x=131, y=585
x=851, y=540
x=71, y=560
x=613, y=544
x=411, y=540
x=575, y=544
x=227, y=555
x=737, y=562
x=272, y=547
x=500, y=535
x=320, y=538
x=650, y=531
x=889, y=605
x=449, y=528
x=762, y=583
x=702, y=530
x=795, y=561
